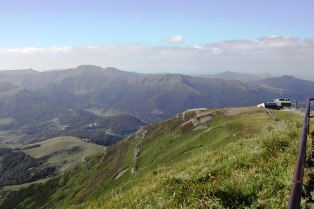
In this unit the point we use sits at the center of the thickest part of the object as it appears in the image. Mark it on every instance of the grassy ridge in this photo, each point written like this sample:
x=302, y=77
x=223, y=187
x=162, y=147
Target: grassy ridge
x=237, y=164
x=236, y=158
x=254, y=172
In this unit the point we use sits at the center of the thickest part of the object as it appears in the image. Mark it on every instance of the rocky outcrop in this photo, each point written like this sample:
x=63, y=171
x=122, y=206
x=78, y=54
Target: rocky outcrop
x=141, y=133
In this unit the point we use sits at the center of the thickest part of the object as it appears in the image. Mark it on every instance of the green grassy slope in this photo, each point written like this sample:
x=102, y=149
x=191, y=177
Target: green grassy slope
x=236, y=158
x=63, y=152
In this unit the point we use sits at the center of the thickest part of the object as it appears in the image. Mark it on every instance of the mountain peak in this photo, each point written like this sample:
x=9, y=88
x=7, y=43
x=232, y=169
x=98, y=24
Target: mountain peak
x=89, y=67
x=97, y=68
x=228, y=72
x=288, y=77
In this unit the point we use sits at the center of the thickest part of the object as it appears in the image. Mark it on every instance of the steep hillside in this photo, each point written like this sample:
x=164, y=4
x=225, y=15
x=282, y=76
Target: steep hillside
x=224, y=158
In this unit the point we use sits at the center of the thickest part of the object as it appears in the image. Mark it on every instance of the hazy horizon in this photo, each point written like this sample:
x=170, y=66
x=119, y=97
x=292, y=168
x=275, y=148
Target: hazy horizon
x=199, y=37
x=261, y=75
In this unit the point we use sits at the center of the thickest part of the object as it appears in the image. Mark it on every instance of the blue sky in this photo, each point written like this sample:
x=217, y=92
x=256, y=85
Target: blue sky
x=175, y=24
x=44, y=23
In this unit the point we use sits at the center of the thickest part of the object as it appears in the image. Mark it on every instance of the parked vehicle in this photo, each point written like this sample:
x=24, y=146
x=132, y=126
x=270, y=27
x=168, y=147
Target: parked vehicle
x=282, y=102
x=269, y=105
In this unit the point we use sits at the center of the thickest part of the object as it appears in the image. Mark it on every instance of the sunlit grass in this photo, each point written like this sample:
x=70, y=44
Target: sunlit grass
x=58, y=151
x=252, y=171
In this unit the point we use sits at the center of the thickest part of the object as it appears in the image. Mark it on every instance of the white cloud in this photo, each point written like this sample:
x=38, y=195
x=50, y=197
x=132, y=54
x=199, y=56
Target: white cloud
x=216, y=51
x=274, y=54
x=176, y=39
x=198, y=47
x=34, y=50
x=271, y=43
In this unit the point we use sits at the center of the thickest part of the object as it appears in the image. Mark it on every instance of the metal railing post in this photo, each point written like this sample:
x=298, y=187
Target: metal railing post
x=296, y=189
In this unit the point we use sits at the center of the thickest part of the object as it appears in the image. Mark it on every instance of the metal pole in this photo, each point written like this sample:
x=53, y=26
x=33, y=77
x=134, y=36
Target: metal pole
x=296, y=190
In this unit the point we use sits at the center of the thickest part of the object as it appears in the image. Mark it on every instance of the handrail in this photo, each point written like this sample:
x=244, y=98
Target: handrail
x=296, y=190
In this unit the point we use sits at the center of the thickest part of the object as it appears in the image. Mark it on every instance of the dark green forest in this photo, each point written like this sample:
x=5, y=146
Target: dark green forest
x=17, y=168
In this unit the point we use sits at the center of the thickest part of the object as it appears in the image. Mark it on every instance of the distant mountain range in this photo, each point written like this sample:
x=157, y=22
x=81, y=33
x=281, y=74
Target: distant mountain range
x=245, y=77
x=39, y=105
x=249, y=77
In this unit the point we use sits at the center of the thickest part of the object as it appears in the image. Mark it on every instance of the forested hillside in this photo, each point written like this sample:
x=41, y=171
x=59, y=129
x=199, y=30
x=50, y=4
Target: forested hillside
x=17, y=168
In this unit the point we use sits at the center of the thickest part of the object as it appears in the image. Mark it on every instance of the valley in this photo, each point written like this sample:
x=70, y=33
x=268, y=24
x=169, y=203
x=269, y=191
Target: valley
x=105, y=105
